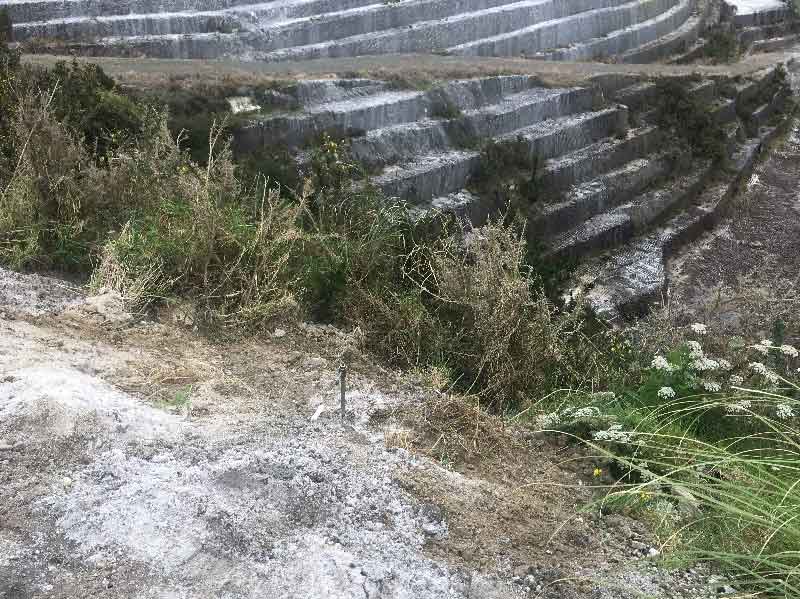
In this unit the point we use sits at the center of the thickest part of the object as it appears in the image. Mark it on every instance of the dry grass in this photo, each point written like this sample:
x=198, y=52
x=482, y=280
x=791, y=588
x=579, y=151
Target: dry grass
x=456, y=429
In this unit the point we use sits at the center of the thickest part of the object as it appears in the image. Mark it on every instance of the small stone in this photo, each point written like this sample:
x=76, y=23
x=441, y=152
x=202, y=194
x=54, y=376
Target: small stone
x=279, y=333
x=67, y=482
x=653, y=552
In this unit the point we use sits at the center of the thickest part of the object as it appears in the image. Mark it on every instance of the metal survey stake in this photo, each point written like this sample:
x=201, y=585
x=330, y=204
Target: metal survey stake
x=342, y=374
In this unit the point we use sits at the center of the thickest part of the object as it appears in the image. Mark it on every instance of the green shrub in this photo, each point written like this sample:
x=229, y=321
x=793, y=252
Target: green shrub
x=722, y=46
x=201, y=233
x=80, y=96
x=690, y=120
x=509, y=172
x=87, y=100
x=6, y=30
x=444, y=108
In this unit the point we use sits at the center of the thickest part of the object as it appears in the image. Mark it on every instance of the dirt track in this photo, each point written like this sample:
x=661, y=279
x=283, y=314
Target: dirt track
x=132, y=70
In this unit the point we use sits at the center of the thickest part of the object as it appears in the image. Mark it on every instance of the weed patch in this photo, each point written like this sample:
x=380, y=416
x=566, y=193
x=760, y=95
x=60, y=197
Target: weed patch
x=511, y=171
x=690, y=121
x=722, y=46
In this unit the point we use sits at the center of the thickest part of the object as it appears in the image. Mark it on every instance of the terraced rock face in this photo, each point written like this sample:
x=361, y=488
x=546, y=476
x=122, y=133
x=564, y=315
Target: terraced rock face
x=280, y=30
x=613, y=193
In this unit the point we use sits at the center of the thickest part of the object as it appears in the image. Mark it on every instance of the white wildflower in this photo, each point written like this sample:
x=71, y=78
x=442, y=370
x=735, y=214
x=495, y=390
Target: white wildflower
x=661, y=363
x=604, y=395
x=762, y=349
x=587, y=412
x=699, y=328
x=736, y=380
x=769, y=376
x=738, y=407
x=548, y=421
x=712, y=387
x=758, y=368
x=784, y=411
x=724, y=364
x=695, y=349
x=702, y=364
x=666, y=393
x=766, y=343
x=613, y=433
x=788, y=350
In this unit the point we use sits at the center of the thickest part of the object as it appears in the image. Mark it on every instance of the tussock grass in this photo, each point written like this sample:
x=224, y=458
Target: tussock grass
x=734, y=502
x=708, y=452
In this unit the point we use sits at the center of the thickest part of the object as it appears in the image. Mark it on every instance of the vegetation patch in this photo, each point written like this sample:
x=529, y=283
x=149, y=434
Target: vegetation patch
x=510, y=170
x=722, y=46
x=690, y=120
x=445, y=108
x=6, y=27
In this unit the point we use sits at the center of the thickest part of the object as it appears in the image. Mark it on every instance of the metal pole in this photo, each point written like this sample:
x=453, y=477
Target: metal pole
x=342, y=387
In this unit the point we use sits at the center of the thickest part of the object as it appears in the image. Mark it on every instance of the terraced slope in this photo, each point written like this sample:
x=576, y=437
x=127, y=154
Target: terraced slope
x=763, y=25
x=300, y=29
x=613, y=193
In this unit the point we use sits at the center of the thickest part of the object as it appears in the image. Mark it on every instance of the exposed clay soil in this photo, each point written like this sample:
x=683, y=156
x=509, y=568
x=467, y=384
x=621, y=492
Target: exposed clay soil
x=114, y=484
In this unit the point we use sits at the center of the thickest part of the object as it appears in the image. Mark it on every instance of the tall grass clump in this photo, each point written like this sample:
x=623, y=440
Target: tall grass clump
x=199, y=231
x=708, y=450
x=58, y=129
x=45, y=183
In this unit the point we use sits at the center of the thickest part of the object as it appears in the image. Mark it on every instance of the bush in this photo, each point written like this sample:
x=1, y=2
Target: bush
x=692, y=122
x=80, y=96
x=499, y=333
x=45, y=193
x=201, y=233
x=722, y=46
x=6, y=30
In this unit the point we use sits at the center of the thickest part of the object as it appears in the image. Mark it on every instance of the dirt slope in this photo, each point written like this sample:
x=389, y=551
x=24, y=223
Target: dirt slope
x=138, y=459
x=745, y=274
